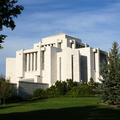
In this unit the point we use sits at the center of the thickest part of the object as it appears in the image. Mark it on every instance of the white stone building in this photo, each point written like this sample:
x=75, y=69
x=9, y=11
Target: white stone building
x=58, y=57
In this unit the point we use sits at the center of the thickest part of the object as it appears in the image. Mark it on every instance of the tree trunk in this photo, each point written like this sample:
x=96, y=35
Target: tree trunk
x=3, y=101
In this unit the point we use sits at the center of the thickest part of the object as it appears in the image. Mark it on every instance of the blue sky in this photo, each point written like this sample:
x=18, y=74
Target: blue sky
x=96, y=22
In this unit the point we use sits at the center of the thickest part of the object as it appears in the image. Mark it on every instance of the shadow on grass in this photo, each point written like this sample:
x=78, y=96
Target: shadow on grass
x=72, y=113
x=32, y=101
x=24, y=102
x=4, y=107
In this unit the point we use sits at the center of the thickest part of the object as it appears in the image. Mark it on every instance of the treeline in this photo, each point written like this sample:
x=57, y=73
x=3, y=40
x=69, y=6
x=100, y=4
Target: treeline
x=67, y=88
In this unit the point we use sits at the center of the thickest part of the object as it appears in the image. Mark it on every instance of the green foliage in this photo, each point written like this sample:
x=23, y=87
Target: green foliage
x=82, y=108
x=84, y=84
x=110, y=72
x=70, y=84
x=39, y=93
x=2, y=37
x=96, y=85
x=8, y=11
x=13, y=99
x=91, y=82
x=52, y=92
x=82, y=91
x=61, y=87
x=6, y=90
x=1, y=47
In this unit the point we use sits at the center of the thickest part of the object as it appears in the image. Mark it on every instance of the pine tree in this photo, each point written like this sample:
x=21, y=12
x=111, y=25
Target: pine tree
x=91, y=82
x=110, y=72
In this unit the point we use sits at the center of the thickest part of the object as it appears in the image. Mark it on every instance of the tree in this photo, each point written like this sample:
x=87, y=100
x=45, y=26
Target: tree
x=91, y=82
x=8, y=11
x=84, y=84
x=110, y=72
x=61, y=86
x=70, y=84
x=6, y=90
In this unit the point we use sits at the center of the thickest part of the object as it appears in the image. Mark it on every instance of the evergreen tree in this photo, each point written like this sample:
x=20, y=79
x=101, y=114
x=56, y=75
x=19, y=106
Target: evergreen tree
x=110, y=72
x=91, y=82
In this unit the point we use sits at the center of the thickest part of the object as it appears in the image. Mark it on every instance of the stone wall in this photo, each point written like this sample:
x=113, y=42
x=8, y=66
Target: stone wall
x=15, y=87
x=26, y=89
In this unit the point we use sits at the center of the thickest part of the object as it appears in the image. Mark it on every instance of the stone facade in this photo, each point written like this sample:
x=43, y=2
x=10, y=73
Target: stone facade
x=58, y=57
x=26, y=89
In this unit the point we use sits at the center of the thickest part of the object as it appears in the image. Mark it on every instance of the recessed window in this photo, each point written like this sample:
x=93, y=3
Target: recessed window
x=59, y=45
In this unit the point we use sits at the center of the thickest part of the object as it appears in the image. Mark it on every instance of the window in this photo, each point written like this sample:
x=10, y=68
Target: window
x=25, y=62
x=43, y=60
x=78, y=45
x=72, y=67
x=94, y=62
x=31, y=61
x=59, y=45
x=60, y=67
x=36, y=62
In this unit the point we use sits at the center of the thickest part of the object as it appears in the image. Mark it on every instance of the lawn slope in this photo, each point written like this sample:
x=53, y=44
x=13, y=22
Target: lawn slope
x=82, y=108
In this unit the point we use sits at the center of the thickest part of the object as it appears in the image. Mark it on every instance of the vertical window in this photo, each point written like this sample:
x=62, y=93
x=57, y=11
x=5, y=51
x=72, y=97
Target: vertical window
x=25, y=62
x=59, y=45
x=72, y=67
x=29, y=61
x=36, y=61
x=94, y=62
x=60, y=67
x=32, y=61
x=43, y=60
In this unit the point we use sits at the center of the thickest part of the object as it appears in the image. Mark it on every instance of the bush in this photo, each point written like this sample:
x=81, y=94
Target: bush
x=82, y=91
x=70, y=84
x=91, y=82
x=14, y=99
x=61, y=87
x=39, y=93
x=84, y=84
x=52, y=92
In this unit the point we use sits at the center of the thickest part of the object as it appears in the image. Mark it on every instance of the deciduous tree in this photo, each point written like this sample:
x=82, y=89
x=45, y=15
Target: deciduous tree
x=6, y=90
x=8, y=11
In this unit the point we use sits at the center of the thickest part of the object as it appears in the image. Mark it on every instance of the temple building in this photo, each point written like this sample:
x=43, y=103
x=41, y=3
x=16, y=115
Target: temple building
x=58, y=57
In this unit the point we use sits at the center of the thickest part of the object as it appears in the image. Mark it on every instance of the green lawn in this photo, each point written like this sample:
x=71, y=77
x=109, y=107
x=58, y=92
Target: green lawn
x=84, y=108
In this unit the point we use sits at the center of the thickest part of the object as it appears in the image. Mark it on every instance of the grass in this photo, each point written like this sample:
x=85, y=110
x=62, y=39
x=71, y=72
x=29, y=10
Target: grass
x=82, y=108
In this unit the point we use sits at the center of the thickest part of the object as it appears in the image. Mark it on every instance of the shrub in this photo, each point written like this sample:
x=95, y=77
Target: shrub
x=70, y=84
x=61, y=86
x=39, y=93
x=14, y=99
x=82, y=91
x=91, y=82
x=96, y=85
x=52, y=92
x=84, y=84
